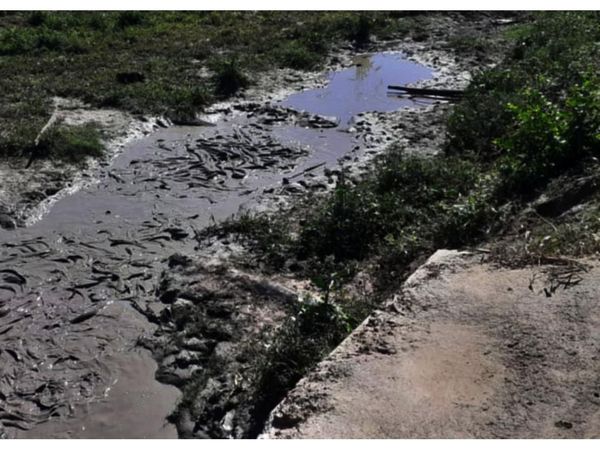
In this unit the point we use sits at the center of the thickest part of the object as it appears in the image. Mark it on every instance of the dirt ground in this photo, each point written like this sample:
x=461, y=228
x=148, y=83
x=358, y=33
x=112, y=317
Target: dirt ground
x=465, y=350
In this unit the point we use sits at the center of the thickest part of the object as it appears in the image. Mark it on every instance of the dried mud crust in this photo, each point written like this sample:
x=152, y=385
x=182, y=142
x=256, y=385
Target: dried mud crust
x=464, y=350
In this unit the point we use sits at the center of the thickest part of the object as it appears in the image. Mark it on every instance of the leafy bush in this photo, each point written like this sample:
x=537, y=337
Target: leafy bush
x=481, y=117
x=548, y=138
x=536, y=146
x=228, y=77
x=403, y=193
x=361, y=29
x=536, y=115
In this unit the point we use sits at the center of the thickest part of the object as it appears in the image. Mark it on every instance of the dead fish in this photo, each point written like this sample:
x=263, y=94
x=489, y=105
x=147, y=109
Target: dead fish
x=110, y=274
x=158, y=238
x=117, y=242
x=74, y=292
x=14, y=354
x=140, y=264
x=136, y=275
x=8, y=288
x=60, y=260
x=85, y=316
x=89, y=284
x=13, y=277
x=177, y=233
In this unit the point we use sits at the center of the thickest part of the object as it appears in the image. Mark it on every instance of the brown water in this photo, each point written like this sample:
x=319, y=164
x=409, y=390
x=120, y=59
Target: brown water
x=71, y=284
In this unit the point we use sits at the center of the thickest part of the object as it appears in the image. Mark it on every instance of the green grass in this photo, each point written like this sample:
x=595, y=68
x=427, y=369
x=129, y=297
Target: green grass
x=304, y=339
x=228, y=77
x=407, y=207
x=71, y=144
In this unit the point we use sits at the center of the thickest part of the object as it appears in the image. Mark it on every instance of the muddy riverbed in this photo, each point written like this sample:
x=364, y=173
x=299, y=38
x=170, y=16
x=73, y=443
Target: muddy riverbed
x=76, y=287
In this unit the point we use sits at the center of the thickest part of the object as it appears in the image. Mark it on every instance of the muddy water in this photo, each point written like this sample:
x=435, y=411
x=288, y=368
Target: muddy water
x=75, y=285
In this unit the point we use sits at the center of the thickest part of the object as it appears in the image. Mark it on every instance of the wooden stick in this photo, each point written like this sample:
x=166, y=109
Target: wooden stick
x=449, y=93
x=50, y=122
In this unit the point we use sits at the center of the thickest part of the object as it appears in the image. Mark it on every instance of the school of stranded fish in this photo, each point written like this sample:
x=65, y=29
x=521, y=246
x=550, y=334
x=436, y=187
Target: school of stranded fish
x=71, y=286
x=51, y=287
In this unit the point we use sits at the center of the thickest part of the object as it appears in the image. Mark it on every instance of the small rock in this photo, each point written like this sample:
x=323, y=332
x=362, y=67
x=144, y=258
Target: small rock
x=7, y=222
x=130, y=77
x=179, y=260
x=563, y=424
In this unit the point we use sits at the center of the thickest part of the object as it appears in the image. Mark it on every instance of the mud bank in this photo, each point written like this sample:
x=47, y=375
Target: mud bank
x=464, y=350
x=28, y=192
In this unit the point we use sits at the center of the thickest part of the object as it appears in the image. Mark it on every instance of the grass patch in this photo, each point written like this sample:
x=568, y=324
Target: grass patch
x=304, y=339
x=408, y=206
x=71, y=144
x=228, y=77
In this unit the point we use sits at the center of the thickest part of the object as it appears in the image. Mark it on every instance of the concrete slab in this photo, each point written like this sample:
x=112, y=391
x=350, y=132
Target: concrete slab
x=466, y=350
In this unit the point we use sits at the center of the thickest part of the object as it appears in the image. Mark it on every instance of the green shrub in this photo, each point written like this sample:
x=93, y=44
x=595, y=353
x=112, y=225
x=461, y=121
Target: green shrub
x=403, y=194
x=361, y=29
x=228, y=78
x=188, y=102
x=15, y=42
x=307, y=335
x=481, y=117
x=536, y=115
x=547, y=138
x=536, y=147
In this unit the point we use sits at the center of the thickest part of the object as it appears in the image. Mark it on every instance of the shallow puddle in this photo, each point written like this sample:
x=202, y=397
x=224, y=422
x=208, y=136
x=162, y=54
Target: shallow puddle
x=71, y=283
x=361, y=88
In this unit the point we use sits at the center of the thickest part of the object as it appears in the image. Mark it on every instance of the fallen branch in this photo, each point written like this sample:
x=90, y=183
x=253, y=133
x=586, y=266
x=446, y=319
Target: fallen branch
x=316, y=166
x=53, y=118
x=427, y=92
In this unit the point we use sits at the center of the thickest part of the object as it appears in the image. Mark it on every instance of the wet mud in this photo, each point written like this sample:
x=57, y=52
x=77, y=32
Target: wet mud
x=78, y=289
